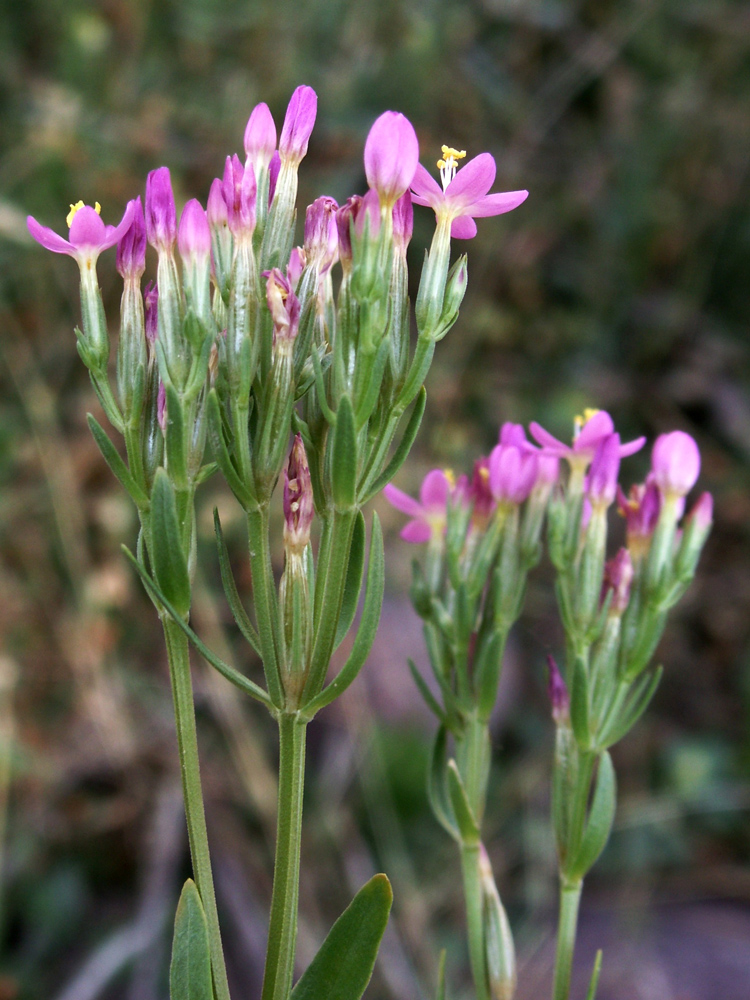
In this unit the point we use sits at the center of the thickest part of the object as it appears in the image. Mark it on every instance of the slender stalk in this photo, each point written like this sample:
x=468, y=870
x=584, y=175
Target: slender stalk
x=570, y=897
x=475, y=918
x=264, y=598
x=282, y=930
x=187, y=742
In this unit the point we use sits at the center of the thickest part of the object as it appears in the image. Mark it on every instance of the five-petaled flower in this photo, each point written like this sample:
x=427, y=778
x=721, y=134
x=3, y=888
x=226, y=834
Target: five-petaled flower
x=88, y=236
x=429, y=513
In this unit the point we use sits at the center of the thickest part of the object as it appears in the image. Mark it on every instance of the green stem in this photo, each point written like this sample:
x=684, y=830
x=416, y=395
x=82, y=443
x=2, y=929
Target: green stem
x=282, y=930
x=187, y=742
x=475, y=918
x=570, y=897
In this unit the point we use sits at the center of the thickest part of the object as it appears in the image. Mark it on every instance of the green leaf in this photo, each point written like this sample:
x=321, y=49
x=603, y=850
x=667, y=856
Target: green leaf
x=344, y=457
x=440, y=995
x=467, y=824
x=402, y=452
x=368, y=625
x=243, y=491
x=190, y=969
x=601, y=817
x=428, y=696
x=642, y=692
x=230, y=589
x=342, y=968
x=116, y=464
x=353, y=583
x=579, y=704
x=168, y=559
x=437, y=791
x=236, y=678
x=488, y=667
x=594, y=982
x=174, y=437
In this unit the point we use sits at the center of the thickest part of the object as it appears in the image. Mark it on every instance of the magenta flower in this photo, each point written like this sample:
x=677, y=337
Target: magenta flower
x=216, y=208
x=513, y=472
x=88, y=234
x=260, y=137
x=368, y=211
x=618, y=577
x=161, y=218
x=239, y=190
x=479, y=492
x=273, y=175
x=558, y=693
x=403, y=222
x=463, y=196
x=298, y=124
x=675, y=462
x=321, y=234
x=283, y=304
x=514, y=434
x=702, y=513
x=640, y=509
x=597, y=426
x=131, y=249
x=344, y=217
x=151, y=309
x=193, y=236
x=391, y=156
x=429, y=513
x=601, y=482
x=296, y=266
x=298, y=497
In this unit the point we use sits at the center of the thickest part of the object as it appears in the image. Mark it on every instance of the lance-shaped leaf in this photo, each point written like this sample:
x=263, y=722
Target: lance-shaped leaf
x=236, y=678
x=239, y=614
x=440, y=995
x=579, y=704
x=467, y=824
x=437, y=785
x=342, y=968
x=487, y=674
x=642, y=692
x=243, y=491
x=353, y=582
x=167, y=556
x=366, y=403
x=429, y=698
x=594, y=981
x=190, y=969
x=344, y=457
x=402, y=451
x=116, y=464
x=368, y=625
x=601, y=817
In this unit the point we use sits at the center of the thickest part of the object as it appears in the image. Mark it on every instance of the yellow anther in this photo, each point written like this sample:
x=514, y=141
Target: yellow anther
x=582, y=419
x=448, y=473
x=75, y=209
x=453, y=154
x=448, y=164
x=484, y=473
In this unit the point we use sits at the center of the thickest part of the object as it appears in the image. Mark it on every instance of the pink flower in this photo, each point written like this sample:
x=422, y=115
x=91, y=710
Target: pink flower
x=618, y=576
x=592, y=431
x=298, y=497
x=239, y=190
x=391, y=156
x=283, y=304
x=513, y=472
x=161, y=224
x=429, y=513
x=193, y=235
x=640, y=508
x=558, y=693
x=702, y=513
x=344, y=217
x=601, y=482
x=151, y=308
x=675, y=462
x=131, y=249
x=88, y=234
x=321, y=234
x=403, y=222
x=217, y=206
x=260, y=137
x=464, y=196
x=298, y=124
x=479, y=492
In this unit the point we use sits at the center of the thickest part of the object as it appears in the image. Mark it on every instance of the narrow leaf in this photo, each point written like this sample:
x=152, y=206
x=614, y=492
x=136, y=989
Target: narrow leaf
x=645, y=689
x=116, y=464
x=353, y=582
x=579, y=704
x=487, y=674
x=342, y=968
x=441, y=977
x=230, y=589
x=174, y=437
x=437, y=791
x=344, y=457
x=243, y=491
x=601, y=817
x=402, y=452
x=190, y=969
x=428, y=696
x=168, y=559
x=467, y=824
x=594, y=982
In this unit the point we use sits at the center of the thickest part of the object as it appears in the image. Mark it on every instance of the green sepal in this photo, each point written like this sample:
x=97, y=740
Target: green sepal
x=343, y=966
x=600, y=819
x=344, y=457
x=404, y=447
x=167, y=556
x=366, y=403
x=465, y=820
x=190, y=968
x=487, y=674
x=239, y=614
x=437, y=790
x=429, y=698
x=353, y=581
x=419, y=592
x=594, y=981
x=225, y=669
x=368, y=625
x=244, y=492
x=174, y=437
x=320, y=389
x=640, y=698
x=112, y=458
x=579, y=704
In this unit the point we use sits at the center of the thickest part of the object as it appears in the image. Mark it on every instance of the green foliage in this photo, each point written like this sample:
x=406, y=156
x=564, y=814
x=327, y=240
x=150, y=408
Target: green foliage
x=190, y=970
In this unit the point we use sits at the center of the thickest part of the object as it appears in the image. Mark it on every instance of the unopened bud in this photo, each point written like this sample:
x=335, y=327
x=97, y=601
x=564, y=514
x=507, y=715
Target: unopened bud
x=601, y=482
x=151, y=306
x=260, y=137
x=558, y=694
x=298, y=124
x=403, y=222
x=500, y=952
x=131, y=250
x=239, y=190
x=283, y=304
x=618, y=577
x=676, y=463
x=455, y=289
x=298, y=498
x=345, y=216
x=161, y=219
x=321, y=234
x=694, y=534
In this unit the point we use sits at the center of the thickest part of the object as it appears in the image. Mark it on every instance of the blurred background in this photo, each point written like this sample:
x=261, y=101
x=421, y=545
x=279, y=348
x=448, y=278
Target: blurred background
x=621, y=283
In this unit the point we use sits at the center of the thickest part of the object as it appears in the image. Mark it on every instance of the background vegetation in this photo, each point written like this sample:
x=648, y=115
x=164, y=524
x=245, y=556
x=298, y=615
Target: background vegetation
x=621, y=283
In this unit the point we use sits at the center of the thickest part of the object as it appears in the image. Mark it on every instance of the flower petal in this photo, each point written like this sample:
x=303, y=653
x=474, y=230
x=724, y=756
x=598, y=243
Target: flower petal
x=87, y=229
x=402, y=501
x=545, y=439
x=472, y=182
x=498, y=204
x=114, y=234
x=631, y=447
x=463, y=228
x=417, y=532
x=598, y=426
x=435, y=490
x=425, y=189
x=48, y=237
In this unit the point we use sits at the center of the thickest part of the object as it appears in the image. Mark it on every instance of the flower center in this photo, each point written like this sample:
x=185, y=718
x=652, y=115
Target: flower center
x=580, y=421
x=75, y=209
x=451, y=478
x=448, y=164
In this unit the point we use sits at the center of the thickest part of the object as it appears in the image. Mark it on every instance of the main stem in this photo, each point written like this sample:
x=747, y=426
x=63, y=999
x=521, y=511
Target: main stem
x=475, y=918
x=570, y=897
x=187, y=742
x=282, y=930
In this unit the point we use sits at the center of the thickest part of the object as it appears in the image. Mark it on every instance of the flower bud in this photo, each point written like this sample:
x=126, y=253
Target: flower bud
x=601, y=483
x=676, y=463
x=298, y=124
x=194, y=235
x=239, y=190
x=500, y=953
x=455, y=289
x=273, y=175
x=295, y=267
x=298, y=498
x=480, y=493
x=558, y=693
x=403, y=222
x=283, y=305
x=161, y=225
x=344, y=217
x=512, y=473
x=151, y=306
x=641, y=512
x=321, y=234
x=260, y=138
x=391, y=156
x=696, y=529
x=618, y=577
x=131, y=250
x=368, y=217
x=513, y=434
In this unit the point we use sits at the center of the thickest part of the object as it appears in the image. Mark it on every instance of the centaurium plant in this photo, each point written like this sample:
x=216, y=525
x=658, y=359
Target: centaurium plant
x=483, y=537
x=246, y=345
